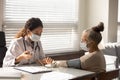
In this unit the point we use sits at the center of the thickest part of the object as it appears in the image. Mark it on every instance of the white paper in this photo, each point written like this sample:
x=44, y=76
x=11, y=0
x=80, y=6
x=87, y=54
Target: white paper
x=56, y=76
x=33, y=69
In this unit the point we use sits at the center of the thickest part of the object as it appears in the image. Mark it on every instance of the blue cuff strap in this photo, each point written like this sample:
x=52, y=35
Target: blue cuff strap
x=74, y=63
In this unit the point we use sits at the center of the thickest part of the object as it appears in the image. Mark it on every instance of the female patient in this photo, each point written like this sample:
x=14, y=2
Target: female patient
x=26, y=48
x=94, y=60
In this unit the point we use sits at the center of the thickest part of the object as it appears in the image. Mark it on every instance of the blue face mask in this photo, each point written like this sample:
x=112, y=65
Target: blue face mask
x=83, y=45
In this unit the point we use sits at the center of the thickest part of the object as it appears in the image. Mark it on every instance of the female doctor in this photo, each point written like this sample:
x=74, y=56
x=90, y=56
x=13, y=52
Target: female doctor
x=26, y=48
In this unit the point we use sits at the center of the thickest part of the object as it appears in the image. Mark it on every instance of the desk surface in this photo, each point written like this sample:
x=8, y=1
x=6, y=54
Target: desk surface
x=56, y=74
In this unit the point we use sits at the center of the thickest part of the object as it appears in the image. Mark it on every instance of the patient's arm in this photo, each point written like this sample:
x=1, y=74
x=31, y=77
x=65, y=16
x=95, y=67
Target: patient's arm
x=74, y=63
x=60, y=63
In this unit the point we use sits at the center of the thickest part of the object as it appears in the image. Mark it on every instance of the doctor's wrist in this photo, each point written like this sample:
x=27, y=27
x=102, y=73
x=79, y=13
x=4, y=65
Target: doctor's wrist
x=18, y=59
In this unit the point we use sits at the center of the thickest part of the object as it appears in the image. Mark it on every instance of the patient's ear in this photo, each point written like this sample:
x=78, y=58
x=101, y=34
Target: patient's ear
x=91, y=43
x=94, y=43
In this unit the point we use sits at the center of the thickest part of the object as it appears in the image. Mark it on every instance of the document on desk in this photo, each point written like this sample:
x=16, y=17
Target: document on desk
x=33, y=69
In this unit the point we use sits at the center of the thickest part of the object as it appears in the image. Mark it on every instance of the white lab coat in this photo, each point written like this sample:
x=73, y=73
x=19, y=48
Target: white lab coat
x=16, y=48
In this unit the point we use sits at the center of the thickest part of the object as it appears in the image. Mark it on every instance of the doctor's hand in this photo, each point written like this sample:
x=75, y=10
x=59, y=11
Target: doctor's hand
x=24, y=56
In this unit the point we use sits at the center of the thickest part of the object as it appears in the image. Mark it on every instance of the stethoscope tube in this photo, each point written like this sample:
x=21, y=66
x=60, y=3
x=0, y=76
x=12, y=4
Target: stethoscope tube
x=37, y=46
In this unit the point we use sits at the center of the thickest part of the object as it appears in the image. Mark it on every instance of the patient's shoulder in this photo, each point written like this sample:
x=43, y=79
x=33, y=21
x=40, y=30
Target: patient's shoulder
x=95, y=54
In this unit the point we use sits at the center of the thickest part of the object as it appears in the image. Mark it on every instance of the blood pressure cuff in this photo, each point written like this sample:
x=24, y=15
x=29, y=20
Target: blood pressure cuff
x=74, y=63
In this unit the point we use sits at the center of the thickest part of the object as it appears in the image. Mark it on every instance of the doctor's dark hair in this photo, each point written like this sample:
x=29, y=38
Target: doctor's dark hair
x=94, y=33
x=31, y=24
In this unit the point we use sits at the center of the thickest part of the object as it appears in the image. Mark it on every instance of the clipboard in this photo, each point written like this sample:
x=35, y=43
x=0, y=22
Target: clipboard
x=33, y=69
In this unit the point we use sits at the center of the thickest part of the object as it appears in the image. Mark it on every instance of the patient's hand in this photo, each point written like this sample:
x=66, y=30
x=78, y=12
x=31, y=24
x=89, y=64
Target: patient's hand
x=46, y=61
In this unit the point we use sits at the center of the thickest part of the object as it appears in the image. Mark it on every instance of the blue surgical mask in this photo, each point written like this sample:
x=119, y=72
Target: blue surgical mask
x=83, y=45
